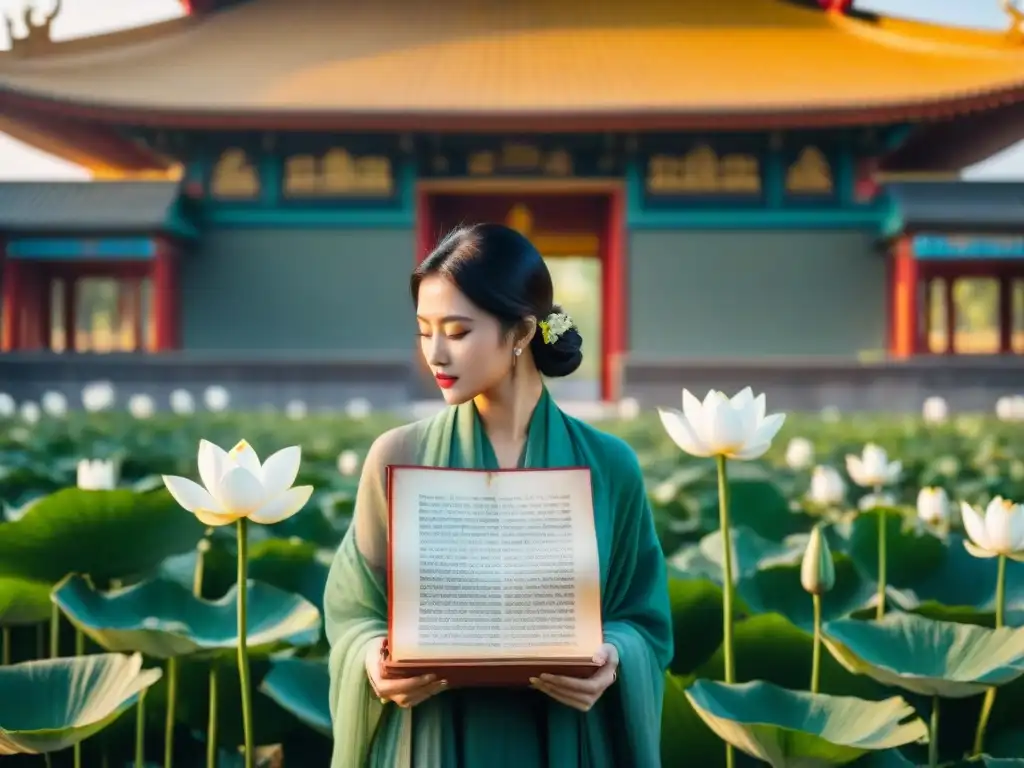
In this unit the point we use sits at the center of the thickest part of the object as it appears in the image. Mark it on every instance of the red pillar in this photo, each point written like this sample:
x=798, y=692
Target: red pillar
x=11, y=306
x=1005, y=315
x=614, y=290
x=164, y=272
x=905, y=302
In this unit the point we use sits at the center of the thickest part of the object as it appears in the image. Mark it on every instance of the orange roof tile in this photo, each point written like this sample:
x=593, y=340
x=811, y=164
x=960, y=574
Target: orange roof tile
x=586, y=58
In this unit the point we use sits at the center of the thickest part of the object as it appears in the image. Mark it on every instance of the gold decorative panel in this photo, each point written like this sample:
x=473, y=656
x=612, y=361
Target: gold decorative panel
x=810, y=174
x=337, y=174
x=522, y=159
x=234, y=176
x=701, y=171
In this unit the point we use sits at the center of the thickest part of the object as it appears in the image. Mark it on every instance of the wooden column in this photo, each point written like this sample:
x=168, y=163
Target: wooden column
x=70, y=313
x=164, y=272
x=905, y=300
x=1005, y=315
x=11, y=306
x=614, y=298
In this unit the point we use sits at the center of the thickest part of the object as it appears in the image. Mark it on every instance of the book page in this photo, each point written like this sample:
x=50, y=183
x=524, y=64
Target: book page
x=493, y=565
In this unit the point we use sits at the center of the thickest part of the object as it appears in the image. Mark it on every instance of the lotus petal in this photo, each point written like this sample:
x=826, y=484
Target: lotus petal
x=163, y=619
x=213, y=463
x=974, y=525
x=191, y=496
x=794, y=728
x=240, y=491
x=280, y=470
x=693, y=409
x=244, y=456
x=49, y=705
x=284, y=506
x=302, y=687
x=682, y=433
x=932, y=658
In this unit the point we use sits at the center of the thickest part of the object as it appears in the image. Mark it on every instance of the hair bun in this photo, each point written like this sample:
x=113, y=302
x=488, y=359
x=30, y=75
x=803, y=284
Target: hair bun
x=561, y=358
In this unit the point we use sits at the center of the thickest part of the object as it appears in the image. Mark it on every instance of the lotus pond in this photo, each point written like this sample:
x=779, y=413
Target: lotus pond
x=101, y=619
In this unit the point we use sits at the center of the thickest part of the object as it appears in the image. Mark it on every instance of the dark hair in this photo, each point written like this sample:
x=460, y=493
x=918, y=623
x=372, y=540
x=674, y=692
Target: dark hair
x=500, y=271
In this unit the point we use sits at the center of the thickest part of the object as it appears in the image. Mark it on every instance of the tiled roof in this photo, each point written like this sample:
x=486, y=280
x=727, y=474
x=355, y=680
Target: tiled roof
x=90, y=206
x=543, y=57
x=960, y=204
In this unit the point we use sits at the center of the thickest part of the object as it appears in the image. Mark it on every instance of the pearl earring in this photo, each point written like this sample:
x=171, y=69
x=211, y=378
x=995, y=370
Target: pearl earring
x=519, y=351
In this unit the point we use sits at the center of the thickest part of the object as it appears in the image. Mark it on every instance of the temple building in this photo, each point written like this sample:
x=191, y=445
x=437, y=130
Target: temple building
x=753, y=191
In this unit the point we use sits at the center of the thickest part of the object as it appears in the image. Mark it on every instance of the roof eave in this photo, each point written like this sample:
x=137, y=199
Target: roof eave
x=449, y=121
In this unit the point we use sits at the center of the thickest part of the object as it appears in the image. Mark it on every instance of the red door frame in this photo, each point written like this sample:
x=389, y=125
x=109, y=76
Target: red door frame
x=612, y=252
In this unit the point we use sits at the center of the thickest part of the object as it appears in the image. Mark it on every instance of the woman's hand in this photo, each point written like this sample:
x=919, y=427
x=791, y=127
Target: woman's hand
x=405, y=692
x=582, y=693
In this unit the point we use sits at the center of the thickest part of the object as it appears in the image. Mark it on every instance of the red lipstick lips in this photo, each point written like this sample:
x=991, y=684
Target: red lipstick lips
x=444, y=381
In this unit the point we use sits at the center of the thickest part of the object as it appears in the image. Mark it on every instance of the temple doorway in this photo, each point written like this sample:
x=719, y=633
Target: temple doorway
x=577, y=235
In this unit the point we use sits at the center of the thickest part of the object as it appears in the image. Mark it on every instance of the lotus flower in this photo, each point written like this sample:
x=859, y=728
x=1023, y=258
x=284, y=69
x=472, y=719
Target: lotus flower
x=238, y=486
x=872, y=468
x=827, y=486
x=735, y=429
x=817, y=569
x=799, y=453
x=997, y=531
x=933, y=505
x=935, y=410
x=97, y=475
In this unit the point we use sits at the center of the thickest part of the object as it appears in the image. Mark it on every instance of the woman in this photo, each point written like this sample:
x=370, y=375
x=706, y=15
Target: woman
x=489, y=330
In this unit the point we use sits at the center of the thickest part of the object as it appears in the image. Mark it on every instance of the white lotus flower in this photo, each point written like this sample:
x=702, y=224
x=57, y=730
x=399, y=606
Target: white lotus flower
x=141, y=406
x=30, y=412
x=799, y=453
x=7, y=405
x=238, y=486
x=874, y=500
x=873, y=468
x=935, y=410
x=348, y=462
x=182, y=402
x=98, y=396
x=97, y=475
x=997, y=531
x=736, y=428
x=629, y=408
x=296, y=410
x=933, y=505
x=827, y=486
x=216, y=398
x=358, y=408
x=55, y=404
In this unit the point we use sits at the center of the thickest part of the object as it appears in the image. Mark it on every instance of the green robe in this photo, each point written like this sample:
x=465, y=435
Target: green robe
x=499, y=728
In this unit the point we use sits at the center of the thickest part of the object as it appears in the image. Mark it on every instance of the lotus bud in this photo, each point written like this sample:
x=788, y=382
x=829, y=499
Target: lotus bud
x=933, y=505
x=141, y=406
x=818, y=571
x=296, y=410
x=54, y=404
x=935, y=410
x=30, y=412
x=216, y=398
x=98, y=396
x=873, y=468
x=799, y=453
x=358, y=408
x=735, y=428
x=827, y=487
x=7, y=405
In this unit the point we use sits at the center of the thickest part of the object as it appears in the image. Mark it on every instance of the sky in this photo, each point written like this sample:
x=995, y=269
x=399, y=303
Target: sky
x=88, y=17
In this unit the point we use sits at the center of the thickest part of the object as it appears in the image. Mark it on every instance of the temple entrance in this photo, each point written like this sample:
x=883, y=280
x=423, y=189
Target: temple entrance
x=973, y=309
x=578, y=236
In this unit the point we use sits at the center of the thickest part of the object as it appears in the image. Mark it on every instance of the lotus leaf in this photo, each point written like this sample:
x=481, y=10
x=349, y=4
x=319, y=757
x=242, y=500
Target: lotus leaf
x=49, y=705
x=161, y=618
x=107, y=534
x=23, y=601
x=750, y=551
x=302, y=687
x=925, y=656
x=794, y=728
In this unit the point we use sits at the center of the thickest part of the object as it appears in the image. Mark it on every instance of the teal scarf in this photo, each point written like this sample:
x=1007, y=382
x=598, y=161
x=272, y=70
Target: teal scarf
x=473, y=728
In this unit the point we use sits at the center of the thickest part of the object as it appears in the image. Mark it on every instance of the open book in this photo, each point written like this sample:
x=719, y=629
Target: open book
x=493, y=575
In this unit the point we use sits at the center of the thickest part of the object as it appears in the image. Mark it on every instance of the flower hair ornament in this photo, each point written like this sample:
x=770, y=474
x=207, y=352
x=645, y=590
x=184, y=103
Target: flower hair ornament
x=554, y=325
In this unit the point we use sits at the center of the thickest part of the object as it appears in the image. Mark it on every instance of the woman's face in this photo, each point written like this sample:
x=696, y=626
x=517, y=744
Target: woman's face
x=464, y=346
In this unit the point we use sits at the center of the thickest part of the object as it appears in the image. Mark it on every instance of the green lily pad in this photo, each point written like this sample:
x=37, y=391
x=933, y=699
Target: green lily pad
x=910, y=551
x=302, y=687
x=794, y=728
x=107, y=534
x=49, y=705
x=163, y=619
x=925, y=656
x=749, y=552
x=23, y=601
